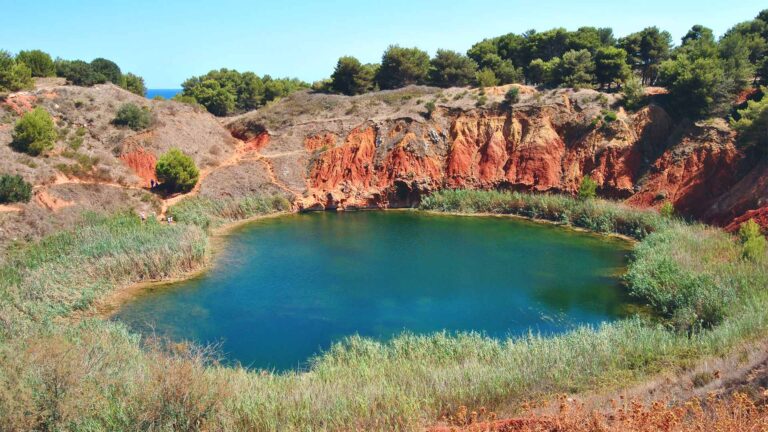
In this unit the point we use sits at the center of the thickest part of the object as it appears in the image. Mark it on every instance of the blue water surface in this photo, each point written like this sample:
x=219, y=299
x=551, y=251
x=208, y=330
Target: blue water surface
x=284, y=289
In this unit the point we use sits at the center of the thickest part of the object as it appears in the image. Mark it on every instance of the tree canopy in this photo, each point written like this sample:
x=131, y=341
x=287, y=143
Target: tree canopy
x=226, y=91
x=39, y=63
x=14, y=75
x=403, y=66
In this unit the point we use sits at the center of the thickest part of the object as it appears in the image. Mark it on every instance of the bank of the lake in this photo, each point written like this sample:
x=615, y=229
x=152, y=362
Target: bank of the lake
x=708, y=297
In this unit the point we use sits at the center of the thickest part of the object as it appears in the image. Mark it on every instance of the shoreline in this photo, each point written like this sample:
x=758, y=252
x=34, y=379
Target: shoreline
x=106, y=307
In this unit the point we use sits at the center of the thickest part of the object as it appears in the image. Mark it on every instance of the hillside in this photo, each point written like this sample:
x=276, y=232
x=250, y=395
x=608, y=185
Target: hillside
x=380, y=149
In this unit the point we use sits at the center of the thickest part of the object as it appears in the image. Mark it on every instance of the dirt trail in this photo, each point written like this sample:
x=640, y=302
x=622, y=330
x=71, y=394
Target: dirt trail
x=6, y=208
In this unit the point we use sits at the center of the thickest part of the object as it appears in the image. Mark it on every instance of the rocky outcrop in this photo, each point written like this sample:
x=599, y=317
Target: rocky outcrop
x=547, y=142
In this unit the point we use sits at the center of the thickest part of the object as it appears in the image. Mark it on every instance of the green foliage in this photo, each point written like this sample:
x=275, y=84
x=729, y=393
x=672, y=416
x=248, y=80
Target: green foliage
x=351, y=77
x=577, y=69
x=430, y=107
x=486, y=78
x=646, y=50
x=13, y=189
x=752, y=123
x=587, y=188
x=609, y=116
x=14, y=76
x=133, y=116
x=402, y=66
x=177, y=171
x=693, y=85
x=753, y=242
x=34, y=132
x=667, y=210
x=225, y=91
x=544, y=72
x=40, y=63
x=512, y=96
x=108, y=69
x=611, y=66
x=78, y=72
x=634, y=95
x=211, y=213
x=452, y=69
x=134, y=84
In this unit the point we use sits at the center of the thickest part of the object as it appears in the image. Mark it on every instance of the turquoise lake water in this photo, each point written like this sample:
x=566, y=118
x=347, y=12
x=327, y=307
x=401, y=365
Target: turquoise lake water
x=283, y=289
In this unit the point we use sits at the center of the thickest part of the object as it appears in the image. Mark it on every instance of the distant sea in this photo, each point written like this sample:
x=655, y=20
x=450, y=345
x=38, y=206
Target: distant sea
x=166, y=93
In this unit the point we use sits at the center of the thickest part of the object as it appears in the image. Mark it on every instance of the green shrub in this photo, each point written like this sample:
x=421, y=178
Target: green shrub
x=108, y=69
x=512, y=96
x=34, y=132
x=134, y=84
x=667, y=210
x=13, y=188
x=588, y=188
x=430, y=106
x=609, y=116
x=486, y=78
x=133, y=117
x=752, y=240
x=78, y=72
x=177, y=171
x=39, y=62
x=14, y=75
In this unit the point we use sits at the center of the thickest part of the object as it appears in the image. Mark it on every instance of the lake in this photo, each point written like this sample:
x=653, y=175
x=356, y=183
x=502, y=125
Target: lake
x=283, y=289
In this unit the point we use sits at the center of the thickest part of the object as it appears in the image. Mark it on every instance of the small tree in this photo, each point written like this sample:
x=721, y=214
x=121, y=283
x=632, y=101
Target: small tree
x=34, y=132
x=634, y=95
x=177, y=171
x=13, y=189
x=611, y=66
x=14, y=75
x=78, y=72
x=752, y=240
x=39, y=62
x=667, y=210
x=486, y=78
x=512, y=96
x=109, y=69
x=134, y=84
x=402, y=66
x=351, y=77
x=588, y=188
x=452, y=69
x=133, y=117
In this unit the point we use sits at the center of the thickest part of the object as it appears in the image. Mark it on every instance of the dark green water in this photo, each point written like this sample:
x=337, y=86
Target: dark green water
x=284, y=289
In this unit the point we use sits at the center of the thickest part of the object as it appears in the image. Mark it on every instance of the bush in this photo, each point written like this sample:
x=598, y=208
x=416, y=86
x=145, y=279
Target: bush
x=588, y=188
x=14, y=75
x=78, y=72
x=133, y=117
x=512, y=96
x=430, y=106
x=752, y=240
x=609, y=116
x=34, y=133
x=108, y=69
x=486, y=78
x=177, y=171
x=402, y=66
x=667, y=210
x=134, y=84
x=40, y=63
x=13, y=188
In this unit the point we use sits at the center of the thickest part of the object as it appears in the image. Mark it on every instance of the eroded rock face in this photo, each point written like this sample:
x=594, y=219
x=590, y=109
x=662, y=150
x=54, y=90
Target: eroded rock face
x=544, y=143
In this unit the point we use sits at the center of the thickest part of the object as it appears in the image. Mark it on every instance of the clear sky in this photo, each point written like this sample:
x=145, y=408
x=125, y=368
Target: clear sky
x=166, y=41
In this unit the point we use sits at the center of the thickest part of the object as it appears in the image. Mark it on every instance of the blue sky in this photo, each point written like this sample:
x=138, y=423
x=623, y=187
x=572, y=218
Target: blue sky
x=166, y=41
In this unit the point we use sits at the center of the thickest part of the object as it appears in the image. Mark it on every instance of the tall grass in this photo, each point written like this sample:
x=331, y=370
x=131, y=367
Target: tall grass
x=595, y=215
x=97, y=376
x=210, y=213
x=69, y=270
